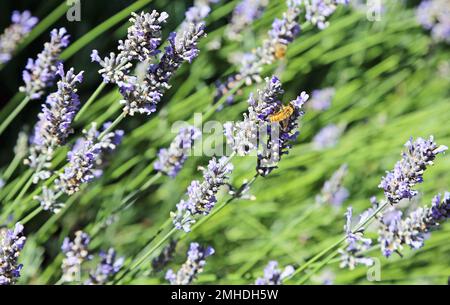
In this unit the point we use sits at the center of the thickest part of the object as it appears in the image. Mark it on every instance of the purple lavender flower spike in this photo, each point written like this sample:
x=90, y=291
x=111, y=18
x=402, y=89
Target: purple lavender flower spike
x=166, y=255
x=243, y=16
x=317, y=11
x=273, y=275
x=327, y=137
x=76, y=253
x=197, y=13
x=171, y=160
x=412, y=231
x=196, y=261
x=108, y=267
x=419, y=154
x=86, y=157
x=54, y=122
x=22, y=24
x=142, y=96
x=11, y=243
x=321, y=99
x=202, y=195
x=434, y=15
x=41, y=72
x=333, y=192
x=352, y=255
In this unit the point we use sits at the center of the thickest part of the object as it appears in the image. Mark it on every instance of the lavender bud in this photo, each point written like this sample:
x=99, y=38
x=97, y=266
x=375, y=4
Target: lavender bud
x=243, y=16
x=106, y=269
x=196, y=260
x=54, y=122
x=22, y=24
x=273, y=275
x=333, y=192
x=171, y=160
x=327, y=137
x=317, y=11
x=414, y=229
x=40, y=73
x=142, y=96
x=76, y=253
x=434, y=15
x=11, y=243
x=419, y=154
x=85, y=158
x=202, y=195
x=321, y=99
x=352, y=255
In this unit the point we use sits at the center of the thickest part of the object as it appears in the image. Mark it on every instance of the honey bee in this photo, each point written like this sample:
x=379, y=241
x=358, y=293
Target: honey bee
x=280, y=51
x=282, y=116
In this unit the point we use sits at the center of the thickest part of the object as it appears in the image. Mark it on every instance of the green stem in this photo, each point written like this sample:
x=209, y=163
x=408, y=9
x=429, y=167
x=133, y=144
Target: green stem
x=18, y=185
x=13, y=114
x=23, y=191
x=12, y=167
x=112, y=126
x=31, y=215
x=90, y=101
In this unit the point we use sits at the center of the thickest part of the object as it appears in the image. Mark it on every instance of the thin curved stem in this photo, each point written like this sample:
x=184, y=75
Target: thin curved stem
x=90, y=101
x=13, y=114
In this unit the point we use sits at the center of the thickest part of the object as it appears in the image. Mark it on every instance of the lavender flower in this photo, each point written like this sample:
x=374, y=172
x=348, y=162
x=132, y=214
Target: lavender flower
x=434, y=15
x=76, y=253
x=106, y=269
x=321, y=99
x=414, y=229
x=85, y=158
x=40, y=73
x=243, y=15
x=142, y=43
x=332, y=191
x=356, y=244
x=166, y=255
x=327, y=137
x=197, y=13
x=196, y=260
x=22, y=24
x=171, y=160
x=202, y=195
x=54, y=124
x=419, y=154
x=317, y=11
x=11, y=243
x=273, y=275
x=2, y=183
x=21, y=147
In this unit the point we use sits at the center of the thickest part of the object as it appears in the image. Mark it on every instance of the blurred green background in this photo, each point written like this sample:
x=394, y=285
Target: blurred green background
x=390, y=85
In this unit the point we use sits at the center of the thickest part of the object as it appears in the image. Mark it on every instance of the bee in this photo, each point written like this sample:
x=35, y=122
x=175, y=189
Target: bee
x=280, y=51
x=282, y=116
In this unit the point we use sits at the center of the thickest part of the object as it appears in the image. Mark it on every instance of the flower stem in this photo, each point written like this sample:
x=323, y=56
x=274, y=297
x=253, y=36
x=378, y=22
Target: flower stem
x=112, y=126
x=13, y=114
x=90, y=101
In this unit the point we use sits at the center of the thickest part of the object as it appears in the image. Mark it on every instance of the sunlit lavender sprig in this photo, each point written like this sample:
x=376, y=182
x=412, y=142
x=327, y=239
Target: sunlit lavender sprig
x=85, y=163
x=321, y=99
x=142, y=43
x=76, y=253
x=412, y=231
x=243, y=16
x=41, y=72
x=86, y=157
x=273, y=275
x=196, y=261
x=11, y=243
x=202, y=195
x=352, y=254
x=107, y=268
x=143, y=96
x=327, y=137
x=22, y=24
x=317, y=11
x=419, y=154
x=197, y=13
x=171, y=160
x=333, y=192
x=54, y=123
x=434, y=15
